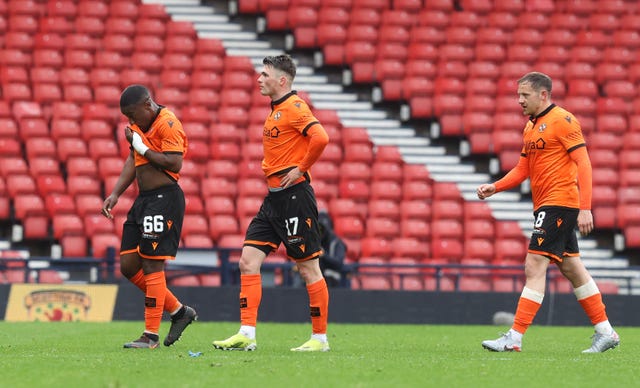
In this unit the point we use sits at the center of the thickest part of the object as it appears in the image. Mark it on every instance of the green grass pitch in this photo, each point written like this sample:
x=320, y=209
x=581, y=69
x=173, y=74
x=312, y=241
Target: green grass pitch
x=91, y=355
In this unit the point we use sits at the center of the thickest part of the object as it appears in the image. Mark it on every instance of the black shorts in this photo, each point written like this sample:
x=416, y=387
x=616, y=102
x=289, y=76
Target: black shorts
x=554, y=232
x=290, y=217
x=154, y=224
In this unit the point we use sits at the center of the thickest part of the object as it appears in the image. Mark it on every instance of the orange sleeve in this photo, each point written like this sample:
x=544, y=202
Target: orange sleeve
x=318, y=139
x=514, y=177
x=581, y=157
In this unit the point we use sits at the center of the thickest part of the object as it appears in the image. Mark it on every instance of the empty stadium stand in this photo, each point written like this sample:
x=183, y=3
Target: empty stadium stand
x=397, y=197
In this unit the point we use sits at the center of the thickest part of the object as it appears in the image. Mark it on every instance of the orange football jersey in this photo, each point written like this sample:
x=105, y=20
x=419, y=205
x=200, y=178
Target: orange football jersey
x=165, y=135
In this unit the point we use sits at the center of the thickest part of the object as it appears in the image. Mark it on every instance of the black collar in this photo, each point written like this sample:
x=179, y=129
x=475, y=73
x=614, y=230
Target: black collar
x=283, y=98
x=533, y=119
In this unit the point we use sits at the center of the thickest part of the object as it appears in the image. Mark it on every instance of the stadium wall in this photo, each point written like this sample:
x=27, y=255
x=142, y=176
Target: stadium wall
x=401, y=307
x=356, y=306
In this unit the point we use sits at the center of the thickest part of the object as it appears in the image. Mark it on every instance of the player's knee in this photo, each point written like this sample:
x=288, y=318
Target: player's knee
x=310, y=271
x=249, y=266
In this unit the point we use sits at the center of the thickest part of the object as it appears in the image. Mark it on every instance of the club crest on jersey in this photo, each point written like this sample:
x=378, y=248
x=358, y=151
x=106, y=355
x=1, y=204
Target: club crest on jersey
x=277, y=115
x=543, y=126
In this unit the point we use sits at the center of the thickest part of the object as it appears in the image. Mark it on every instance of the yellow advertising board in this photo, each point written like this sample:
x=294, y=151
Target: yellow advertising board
x=61, y=302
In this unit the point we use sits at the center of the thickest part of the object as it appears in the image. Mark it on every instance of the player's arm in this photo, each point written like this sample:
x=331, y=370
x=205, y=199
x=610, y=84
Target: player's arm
x=127, y=175
x=171, y=161
x=512, y=179
x=581, y=157
x=585, y=219
x=318, y=140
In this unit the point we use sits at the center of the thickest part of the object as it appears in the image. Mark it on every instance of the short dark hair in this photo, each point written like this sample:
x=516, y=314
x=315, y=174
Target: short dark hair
x=281, y=62
x=133, y=94
x=537, y=80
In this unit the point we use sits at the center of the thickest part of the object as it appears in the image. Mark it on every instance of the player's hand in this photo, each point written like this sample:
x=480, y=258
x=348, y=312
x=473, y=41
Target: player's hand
x=128, y=134
x=290, y=178
x=135, y=140
x=108, y=204
x=486, y=190
x=585, y=222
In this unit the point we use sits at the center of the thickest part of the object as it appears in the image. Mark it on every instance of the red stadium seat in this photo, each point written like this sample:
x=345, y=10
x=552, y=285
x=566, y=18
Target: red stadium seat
x=17, y=92
x=81, y=165
x=59, y=203
x=355, y=171
x=83, y=184
x=149, y=43
x=67, y=224
x=221, y=168
x=612, y=123
x=13, y=165
x=40, y=147
x=604, y=216
x=339, y=207
x=349, y=226
x=43, y=166
x=116, y=25
x=372, y=282
x=416, y=190
x=415, y=209
x=18, y=184
x=117, y=44
x=383, y=208
x=216, y=205
x=88, y=203
x=385, y=171
x=449, y=249
x=605, y=176
x=358, y=190
x=409, y=247
x=198, y=241
x=96, y=9
x=74, y=246
x=211, y=46
x=376, y=247
x=222, y=225
x=509, y=249
x=627, y=195
x=605, y=141
x=620, y=88
x=193, y=201
x=631, y=140
x=11, y=147
x=479, y=248
x=195, y=224
x=447, y=209
x=216, y=186
x=415, y=228
x=479, y=229
x=100, y=242
x=28, y=204
x=46, y=184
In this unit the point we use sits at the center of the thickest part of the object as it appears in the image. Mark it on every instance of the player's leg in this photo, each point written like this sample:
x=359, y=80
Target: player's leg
x=131, y=268
x=302, y=238
x=528, y=305
x=318, y=306
x=250, y=298
x=155, y=286
x=158, y=243
x=590, y=298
